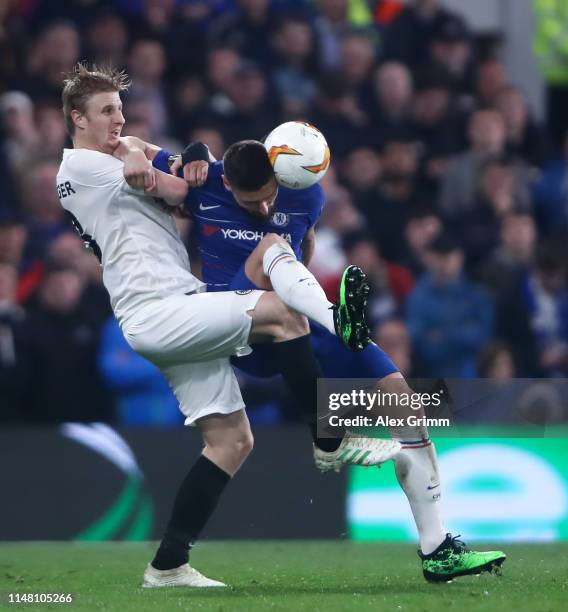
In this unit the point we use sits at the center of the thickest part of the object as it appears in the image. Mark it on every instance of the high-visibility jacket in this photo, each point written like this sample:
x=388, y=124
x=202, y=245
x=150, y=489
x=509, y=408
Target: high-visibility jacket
x=551, y=39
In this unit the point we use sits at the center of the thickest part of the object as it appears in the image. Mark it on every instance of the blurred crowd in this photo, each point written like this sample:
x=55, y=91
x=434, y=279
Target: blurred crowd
x=443, y=187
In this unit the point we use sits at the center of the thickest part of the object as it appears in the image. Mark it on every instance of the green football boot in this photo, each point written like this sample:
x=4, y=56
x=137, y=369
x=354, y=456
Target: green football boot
x=452, y=559
x=349, y=312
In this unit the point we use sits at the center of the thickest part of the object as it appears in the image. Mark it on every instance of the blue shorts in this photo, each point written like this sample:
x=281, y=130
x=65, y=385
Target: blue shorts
x=335, y=359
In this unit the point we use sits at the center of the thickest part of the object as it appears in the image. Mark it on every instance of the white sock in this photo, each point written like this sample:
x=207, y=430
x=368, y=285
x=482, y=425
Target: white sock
x=416, y=467
x=296, y=285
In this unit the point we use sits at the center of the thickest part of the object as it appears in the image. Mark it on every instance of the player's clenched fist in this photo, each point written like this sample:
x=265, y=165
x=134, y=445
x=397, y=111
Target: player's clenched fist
x=194, y=173
x=138, y=170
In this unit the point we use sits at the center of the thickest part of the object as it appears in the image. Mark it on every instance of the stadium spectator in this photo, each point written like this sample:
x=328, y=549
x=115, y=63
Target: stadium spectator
x=495, y=360
x=44, y=216
x=478, y=228
x=408, y=37
x=398, y=189
x=16, y=379
x=294, y=65
x=247, y=110
x=332, y=21
x=107, y=40
x=358, y=57
x=17, y=124
x=337, y=114
x=451, y=51
x=393, y=337
x=390, y=283
x=361, y=171
x=339, y=218
x=222, y=62
x=248, y=29
x=393, y=90
x=68, y=251
x=51, y=132
x=491, y=80
x=551, y=195
x=449, y=317
x=63, y=346
x=525, y=138
x=546, y=299
x=513, y=256
x=13, y=238
x=189, y=104
x=422, y=226
x=487, y=136
x=55, y=51
x=437, y=123
x=147, y=65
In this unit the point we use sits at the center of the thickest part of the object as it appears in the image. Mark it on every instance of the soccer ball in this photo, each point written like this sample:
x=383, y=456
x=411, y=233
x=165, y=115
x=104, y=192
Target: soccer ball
x=298, y=153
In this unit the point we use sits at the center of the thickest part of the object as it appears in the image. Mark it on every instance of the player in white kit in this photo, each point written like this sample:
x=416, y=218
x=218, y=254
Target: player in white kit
x=162, y=309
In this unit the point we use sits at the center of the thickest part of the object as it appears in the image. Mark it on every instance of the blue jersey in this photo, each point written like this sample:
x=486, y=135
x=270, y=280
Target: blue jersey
x=227, y=234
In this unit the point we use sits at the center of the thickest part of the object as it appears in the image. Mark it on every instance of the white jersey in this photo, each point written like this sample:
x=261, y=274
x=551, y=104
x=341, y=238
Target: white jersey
x=133, y=235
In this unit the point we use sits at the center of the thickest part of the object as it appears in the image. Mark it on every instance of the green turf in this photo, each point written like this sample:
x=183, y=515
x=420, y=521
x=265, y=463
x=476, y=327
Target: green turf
x=296, y=576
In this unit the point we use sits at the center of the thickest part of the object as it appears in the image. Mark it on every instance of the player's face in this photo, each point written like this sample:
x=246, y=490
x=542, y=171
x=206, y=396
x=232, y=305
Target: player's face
x=259, y=203
x=102, y=123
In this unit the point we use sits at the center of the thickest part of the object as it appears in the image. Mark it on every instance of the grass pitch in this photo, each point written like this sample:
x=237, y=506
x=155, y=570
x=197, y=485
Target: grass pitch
x=312, y=575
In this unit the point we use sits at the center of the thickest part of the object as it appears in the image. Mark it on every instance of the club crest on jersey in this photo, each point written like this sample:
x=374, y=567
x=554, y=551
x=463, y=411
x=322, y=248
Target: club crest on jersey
x=280, y=219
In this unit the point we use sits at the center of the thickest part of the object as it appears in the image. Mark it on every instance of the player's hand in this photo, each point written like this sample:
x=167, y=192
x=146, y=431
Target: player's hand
x=195, y=173
x=138, y=171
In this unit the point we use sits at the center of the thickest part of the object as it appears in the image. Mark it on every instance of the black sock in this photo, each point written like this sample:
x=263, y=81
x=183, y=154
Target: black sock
x=299, y=368
x=194, y=504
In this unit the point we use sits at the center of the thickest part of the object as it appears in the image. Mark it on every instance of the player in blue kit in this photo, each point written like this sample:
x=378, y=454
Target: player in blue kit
x=241, y=213
x=228, y=234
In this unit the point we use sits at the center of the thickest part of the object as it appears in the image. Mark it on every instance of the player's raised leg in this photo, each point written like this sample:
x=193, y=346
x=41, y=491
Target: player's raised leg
x=293, y=354
x=416, y=465
x=274, y=259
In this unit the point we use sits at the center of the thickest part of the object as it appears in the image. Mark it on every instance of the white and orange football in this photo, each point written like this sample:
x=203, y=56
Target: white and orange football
x=298, y=153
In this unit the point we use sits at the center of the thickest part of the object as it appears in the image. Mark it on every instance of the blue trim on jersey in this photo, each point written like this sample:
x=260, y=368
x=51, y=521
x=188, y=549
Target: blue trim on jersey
x=161, y=161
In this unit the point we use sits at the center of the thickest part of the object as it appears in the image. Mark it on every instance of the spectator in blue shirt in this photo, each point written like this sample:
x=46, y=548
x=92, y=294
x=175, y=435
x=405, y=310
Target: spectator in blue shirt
x=550, y=194
x=449, y=317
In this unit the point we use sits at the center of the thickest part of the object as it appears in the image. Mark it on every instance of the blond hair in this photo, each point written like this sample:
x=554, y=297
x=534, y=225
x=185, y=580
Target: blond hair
x=83, y=82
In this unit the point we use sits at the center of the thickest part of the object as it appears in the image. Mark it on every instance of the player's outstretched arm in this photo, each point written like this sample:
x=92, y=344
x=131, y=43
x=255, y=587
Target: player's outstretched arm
x=195, y=169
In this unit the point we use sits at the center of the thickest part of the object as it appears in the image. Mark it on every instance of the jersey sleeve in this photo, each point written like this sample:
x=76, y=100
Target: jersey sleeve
x=160, y=162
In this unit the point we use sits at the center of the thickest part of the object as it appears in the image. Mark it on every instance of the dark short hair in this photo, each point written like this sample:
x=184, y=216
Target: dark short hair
x=356, y=237
x=444, y=244
x=83, y=82
x=246, y=165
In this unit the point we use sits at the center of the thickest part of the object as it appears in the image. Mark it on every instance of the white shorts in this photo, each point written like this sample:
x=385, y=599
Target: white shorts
x=190, y=338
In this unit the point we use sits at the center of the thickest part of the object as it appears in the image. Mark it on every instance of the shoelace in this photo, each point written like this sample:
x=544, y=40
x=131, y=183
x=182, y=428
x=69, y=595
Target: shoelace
x=457, y=544
x=362, y=441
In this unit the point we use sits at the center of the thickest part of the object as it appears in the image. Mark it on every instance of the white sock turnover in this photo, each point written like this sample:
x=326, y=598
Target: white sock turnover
x=296, y=285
